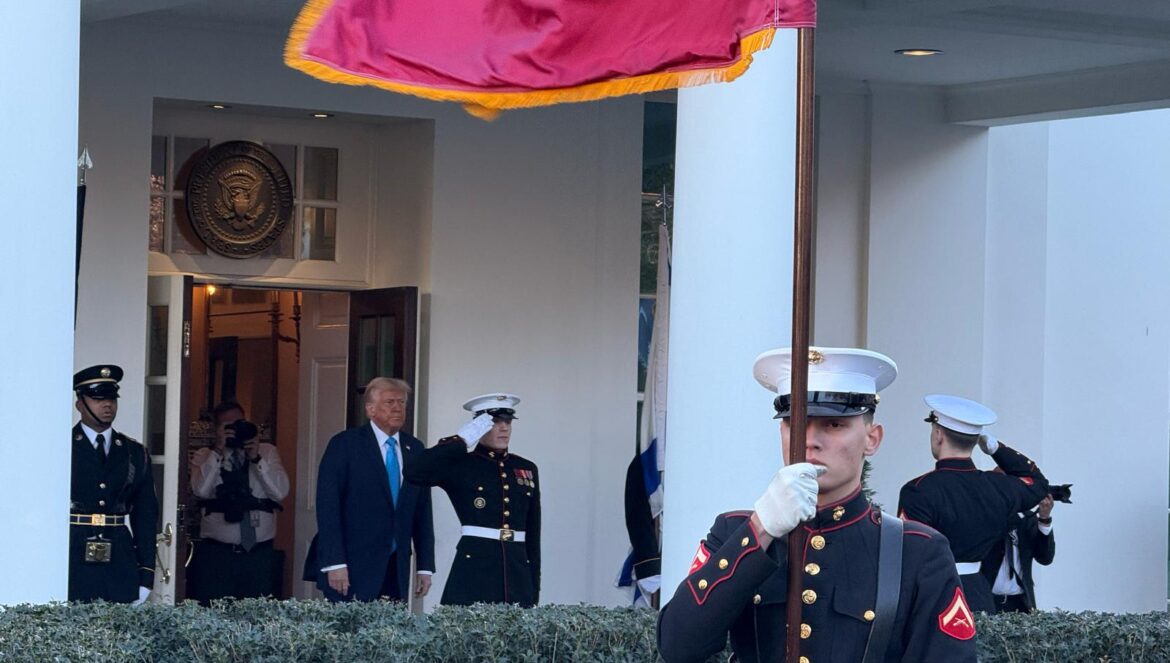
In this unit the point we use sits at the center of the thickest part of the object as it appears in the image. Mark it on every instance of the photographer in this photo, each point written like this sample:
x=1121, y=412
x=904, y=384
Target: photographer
x=1009, y=567
x=240, y=482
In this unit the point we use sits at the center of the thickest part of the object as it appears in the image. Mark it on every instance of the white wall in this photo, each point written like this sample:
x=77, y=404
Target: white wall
x=1023, y=267
x=730, y=297
x=1108, y=359
x=927, y=227
x=38, y=152
x=842, y=220
x=527, y=255
x=534, y=292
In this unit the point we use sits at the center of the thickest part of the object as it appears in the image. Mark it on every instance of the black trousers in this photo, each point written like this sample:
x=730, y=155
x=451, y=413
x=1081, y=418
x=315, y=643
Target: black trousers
x=390, y=589
x=1011, y=603
x=221, y=570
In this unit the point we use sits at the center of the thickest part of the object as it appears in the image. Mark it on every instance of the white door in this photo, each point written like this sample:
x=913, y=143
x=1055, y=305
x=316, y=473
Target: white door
x=321, y=412
x=168, y=355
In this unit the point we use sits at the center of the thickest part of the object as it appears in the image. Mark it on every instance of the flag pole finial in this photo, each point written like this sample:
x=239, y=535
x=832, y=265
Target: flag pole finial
x=84, y=163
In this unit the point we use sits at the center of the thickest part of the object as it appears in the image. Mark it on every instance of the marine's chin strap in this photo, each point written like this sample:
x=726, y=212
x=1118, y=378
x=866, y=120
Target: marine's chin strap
x=85, y=404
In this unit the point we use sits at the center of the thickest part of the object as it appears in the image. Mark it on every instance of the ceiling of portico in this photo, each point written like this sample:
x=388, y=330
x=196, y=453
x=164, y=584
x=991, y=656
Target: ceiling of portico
x=989, y=46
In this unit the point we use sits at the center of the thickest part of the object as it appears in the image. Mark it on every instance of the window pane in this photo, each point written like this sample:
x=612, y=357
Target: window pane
x=367, y=353
x=319, y=233
x=156, y=418
x=187, y=152
x=158, y=223
x=156, y=354
x=386, y=345
x=158, y=164
x=645, y=330
x=320, y=173
x=183, y=237
x=287, y=156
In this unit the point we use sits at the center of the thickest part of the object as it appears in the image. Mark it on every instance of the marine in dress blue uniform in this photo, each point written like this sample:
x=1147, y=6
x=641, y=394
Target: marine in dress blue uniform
x=737, y=584
x=974, y=509
x=496, y=495
x=113, y=511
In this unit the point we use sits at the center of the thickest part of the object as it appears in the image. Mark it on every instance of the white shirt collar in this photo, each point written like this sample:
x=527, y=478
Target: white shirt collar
x=381, y=435
x=107, y=435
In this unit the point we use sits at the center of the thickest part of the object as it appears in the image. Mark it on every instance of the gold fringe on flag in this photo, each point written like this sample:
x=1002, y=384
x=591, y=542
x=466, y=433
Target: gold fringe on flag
x=487, y=105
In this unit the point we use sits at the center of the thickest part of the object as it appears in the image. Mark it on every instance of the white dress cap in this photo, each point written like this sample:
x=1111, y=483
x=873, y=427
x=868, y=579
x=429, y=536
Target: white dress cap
x=489, y=402
x=961, y=415
x=837, y=370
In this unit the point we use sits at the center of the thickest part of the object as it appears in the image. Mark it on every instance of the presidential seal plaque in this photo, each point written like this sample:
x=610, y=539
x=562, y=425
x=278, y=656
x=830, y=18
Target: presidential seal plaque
x=239, y=199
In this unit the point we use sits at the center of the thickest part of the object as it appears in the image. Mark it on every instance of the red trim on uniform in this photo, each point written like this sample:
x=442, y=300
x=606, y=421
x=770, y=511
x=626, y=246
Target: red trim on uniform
x=956, y=619
x=840, y=501
x=711, y=587
x=922, y=534
x=839, y=525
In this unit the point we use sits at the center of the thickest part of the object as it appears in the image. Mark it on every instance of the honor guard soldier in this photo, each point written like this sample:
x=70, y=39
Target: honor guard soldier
x=496, y=495
x=874, y=588
x=974, y=509
x=113, y=512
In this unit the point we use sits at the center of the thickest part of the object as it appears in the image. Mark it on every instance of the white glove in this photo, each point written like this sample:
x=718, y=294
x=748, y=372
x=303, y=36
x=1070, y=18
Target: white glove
x=143, y=594
x=475, y=429
x=988, y=443
x=790, y=499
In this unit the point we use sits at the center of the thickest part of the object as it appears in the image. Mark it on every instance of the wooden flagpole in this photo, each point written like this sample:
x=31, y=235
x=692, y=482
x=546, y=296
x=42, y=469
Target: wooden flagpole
x=801, y=306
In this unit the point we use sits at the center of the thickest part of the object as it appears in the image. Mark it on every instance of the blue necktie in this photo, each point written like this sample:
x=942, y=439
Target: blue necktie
x=392, y=472
x=392, y=469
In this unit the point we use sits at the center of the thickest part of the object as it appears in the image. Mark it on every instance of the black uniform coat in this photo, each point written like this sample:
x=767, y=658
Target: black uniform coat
x=973, y=508
x=357, y=520
x=1033, y=545
x=737, y=588
x=493, y=489
x=122, y=485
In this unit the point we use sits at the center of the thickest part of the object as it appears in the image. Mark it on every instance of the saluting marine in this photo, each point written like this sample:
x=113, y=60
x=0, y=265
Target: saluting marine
x=496, y=495
x=973, y=508
x=903, y=603
x=113, y=512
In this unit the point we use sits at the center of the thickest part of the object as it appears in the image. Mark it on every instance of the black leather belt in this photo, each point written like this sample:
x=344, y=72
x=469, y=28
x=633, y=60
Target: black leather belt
x=235, y=548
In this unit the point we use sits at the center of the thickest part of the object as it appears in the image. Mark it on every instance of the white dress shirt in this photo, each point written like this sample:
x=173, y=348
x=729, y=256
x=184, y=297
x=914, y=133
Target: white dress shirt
x=266, y=478
x=107, y=435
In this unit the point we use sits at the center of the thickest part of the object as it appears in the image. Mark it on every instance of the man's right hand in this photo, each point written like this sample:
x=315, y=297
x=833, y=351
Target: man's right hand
x=339, y=580
x=791, y=498
x=473, y=430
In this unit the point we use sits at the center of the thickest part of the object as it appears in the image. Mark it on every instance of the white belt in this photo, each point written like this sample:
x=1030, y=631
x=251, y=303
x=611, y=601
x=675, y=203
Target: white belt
x=967, y=568
x=494, y=534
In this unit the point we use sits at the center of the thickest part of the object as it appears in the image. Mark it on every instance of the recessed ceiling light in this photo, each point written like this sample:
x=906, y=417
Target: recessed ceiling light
x=918, y=52
x=218, y=106
x=321, y=116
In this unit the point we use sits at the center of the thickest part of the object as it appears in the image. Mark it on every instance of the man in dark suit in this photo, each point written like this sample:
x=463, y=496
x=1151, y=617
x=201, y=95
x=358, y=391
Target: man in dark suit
x=1031, y=538
x=367, y=516
x=113, y=512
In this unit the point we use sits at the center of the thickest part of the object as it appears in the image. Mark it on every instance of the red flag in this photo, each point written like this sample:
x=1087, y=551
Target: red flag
x=493, y=55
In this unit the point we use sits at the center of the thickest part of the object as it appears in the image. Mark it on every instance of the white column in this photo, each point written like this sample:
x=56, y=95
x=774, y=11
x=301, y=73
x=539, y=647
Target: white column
x=38, y=153
x=731, y=297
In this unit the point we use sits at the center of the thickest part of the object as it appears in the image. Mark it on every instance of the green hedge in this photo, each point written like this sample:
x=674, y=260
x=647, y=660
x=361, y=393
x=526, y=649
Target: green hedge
x=305, y=631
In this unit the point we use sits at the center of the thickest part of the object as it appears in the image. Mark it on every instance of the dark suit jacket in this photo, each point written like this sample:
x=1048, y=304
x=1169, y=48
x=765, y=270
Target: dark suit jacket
x=1033, y=546
x=357, y=519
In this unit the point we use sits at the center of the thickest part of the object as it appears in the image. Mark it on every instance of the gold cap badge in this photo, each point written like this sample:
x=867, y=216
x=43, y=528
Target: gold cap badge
x=815, y=357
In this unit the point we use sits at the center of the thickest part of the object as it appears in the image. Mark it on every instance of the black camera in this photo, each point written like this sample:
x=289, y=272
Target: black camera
x=244, y=430
x=1061, y=493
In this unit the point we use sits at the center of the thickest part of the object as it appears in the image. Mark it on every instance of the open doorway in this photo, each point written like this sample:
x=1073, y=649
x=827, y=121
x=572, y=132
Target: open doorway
x=246, y=349
x=295, y=362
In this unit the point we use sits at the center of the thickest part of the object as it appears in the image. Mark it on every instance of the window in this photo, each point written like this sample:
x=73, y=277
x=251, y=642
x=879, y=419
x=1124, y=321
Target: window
x=312, y=233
